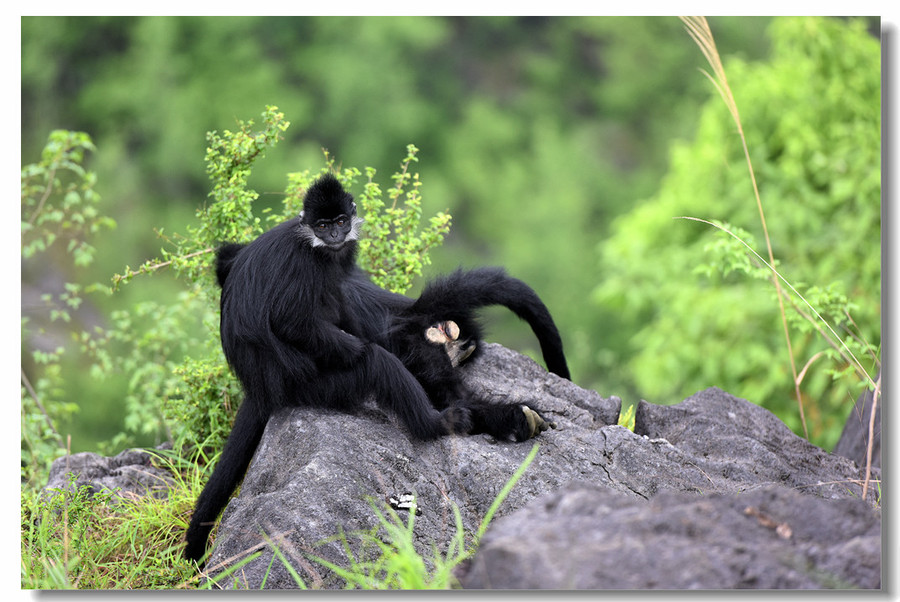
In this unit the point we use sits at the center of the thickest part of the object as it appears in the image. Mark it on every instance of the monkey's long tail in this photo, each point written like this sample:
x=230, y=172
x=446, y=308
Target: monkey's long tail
x=464, y=292
x=242, y=442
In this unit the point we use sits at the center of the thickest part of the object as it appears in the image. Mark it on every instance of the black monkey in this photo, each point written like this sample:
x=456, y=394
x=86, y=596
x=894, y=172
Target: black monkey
x=302, y=325
x=287, y=336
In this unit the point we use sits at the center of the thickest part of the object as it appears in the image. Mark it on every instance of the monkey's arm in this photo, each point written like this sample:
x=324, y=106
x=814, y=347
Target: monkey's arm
x=318, y=341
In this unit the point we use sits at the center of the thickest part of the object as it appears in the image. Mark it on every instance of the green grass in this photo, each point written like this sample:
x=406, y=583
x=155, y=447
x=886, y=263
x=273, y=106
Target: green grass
x=74, y=540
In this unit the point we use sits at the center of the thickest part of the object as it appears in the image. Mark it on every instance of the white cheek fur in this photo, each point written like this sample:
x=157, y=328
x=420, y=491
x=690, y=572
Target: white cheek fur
x=355, y=224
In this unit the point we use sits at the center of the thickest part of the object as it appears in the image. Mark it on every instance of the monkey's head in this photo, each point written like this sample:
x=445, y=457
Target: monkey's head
x=328, y=218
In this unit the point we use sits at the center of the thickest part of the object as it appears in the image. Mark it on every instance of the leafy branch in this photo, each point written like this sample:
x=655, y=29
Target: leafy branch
x=394, y=250
x=229, y=159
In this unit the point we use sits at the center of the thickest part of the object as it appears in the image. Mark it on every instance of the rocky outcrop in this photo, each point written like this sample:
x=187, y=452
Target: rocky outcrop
x=129, y=473
x=316, y=474
x=587, y=536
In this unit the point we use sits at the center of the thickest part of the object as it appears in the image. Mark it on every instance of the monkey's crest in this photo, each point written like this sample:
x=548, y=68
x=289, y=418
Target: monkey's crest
x=326, y=199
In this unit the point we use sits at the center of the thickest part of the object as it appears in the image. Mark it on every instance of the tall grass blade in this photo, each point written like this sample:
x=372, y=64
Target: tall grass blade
x=699, y=30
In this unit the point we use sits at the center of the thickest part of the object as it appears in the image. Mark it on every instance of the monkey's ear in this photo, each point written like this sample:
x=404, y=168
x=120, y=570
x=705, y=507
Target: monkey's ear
x=352, y=208
x=301, y=216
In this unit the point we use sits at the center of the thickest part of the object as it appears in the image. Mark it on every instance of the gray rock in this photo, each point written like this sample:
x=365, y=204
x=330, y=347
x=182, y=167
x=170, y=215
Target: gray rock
x=587, y=536
x=739, y=444
x=129, y=473
x=316, y=473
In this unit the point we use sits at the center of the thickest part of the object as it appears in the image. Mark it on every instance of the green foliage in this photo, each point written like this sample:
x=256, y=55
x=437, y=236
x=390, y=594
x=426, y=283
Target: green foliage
x=149, y=343
x=207, y=400
x=728, y=254
x=229, y=216
x=59, y=218
x=812, y=120
x=823, y=311
x=229, y=159
x=394, y=251
x=59, y=201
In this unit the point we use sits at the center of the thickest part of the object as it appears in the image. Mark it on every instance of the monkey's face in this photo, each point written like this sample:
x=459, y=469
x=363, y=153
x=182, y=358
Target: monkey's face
x=334, y=233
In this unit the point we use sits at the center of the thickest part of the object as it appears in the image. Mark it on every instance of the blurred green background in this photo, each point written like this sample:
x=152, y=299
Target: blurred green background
x=562, y=147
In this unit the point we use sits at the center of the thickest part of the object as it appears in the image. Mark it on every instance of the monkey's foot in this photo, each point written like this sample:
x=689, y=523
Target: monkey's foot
x=447, y=334
x=536, y=422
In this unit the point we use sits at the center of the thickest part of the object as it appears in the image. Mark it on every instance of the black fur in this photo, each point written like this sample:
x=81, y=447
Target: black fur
x=302, y=325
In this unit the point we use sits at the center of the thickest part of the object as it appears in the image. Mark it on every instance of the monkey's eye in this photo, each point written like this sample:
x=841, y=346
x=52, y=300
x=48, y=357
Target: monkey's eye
x=340, y=222
x=321, y=226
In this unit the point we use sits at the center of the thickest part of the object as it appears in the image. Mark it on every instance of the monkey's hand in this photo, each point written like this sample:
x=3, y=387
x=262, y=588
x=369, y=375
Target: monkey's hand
x=447, y=334
x=536, y=422
x=336, y=349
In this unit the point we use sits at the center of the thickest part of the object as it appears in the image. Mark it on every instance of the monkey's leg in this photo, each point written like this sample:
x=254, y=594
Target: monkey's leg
x=396, y=389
